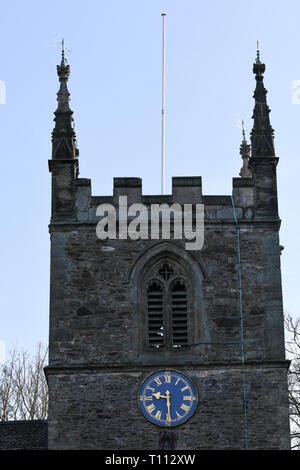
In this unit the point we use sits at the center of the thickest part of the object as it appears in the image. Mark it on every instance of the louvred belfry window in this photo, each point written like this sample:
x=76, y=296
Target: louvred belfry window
x=179, y=314
x=155, y=314
x=167, y=299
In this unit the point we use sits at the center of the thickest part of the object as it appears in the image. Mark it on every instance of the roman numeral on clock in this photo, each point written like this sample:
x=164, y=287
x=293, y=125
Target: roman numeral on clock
x=148, y=398
x=188, y=397
x=150, y=408
x=184, y=407
x=167, y=378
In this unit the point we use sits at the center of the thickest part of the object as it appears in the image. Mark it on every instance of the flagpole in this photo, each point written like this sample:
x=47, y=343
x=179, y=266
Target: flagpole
x=163, y=130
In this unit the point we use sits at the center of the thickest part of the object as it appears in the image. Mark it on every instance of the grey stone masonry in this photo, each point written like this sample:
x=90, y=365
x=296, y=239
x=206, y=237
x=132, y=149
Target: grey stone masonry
x=97, y=409
x=98, y=357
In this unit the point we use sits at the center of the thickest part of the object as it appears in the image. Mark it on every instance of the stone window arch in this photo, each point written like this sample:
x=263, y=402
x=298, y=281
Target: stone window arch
x=165, y=277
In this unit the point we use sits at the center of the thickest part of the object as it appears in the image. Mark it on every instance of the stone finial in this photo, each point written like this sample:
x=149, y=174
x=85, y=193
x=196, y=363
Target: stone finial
x=63, y=95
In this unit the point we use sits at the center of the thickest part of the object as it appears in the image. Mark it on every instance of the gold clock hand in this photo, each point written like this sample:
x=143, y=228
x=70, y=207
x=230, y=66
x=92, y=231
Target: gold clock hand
x=158, y=395
x=168, y=406
x=167, y=397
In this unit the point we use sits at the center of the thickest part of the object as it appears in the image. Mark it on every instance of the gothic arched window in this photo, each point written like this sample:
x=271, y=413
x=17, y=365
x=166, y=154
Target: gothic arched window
x=167, y=301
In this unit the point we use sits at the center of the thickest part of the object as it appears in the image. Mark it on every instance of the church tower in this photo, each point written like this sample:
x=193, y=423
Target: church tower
x=154, y=346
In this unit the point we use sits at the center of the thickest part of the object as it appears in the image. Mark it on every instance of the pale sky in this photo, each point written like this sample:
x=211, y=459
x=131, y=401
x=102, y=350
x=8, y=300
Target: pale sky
x=115, y=87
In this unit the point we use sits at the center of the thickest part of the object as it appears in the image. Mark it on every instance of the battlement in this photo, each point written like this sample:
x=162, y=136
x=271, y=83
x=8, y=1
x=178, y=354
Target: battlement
x=218, y=209
x=185, y=190
x=254, y=199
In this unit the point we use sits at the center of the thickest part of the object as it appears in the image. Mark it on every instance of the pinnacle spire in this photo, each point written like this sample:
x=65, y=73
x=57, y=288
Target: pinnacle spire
x=64, y=144
x=262, y=135
x=245, y=171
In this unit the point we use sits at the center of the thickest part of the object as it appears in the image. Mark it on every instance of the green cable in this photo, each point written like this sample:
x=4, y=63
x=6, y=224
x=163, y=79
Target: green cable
x=242, y=325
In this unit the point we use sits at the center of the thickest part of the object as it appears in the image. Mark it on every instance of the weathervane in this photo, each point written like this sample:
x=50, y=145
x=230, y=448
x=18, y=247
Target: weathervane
x=241, y=125
x=61, y=45
x=257, y=52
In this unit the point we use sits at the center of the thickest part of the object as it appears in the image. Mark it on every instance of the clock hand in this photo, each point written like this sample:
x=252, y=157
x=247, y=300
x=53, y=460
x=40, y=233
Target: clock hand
x=168, y=406
x=158, y=395
x=167, y=396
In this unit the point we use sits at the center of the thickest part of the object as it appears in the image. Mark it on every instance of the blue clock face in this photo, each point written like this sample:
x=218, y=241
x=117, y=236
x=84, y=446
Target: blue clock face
x=167, y=398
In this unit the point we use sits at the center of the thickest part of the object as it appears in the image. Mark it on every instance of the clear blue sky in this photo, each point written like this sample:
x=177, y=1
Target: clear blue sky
x=115, y=87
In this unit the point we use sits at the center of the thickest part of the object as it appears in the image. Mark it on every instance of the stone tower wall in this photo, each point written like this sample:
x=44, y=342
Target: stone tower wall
x=97, y=357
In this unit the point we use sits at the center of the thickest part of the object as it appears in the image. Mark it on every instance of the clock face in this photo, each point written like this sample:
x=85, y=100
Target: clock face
x=167, y=398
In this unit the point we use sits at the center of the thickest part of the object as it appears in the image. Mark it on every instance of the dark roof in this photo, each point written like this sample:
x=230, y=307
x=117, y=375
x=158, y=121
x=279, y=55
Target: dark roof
x=24, y=435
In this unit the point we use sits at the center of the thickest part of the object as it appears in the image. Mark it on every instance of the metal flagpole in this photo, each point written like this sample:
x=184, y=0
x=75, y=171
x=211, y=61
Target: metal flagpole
x=163, y=145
